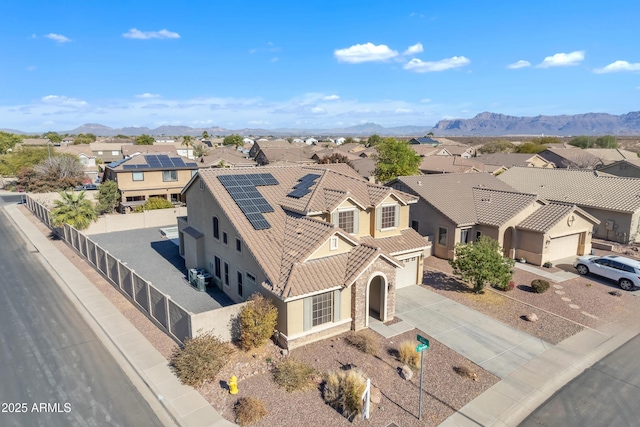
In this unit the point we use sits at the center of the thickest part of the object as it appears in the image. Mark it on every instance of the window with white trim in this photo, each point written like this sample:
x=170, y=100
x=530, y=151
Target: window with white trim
x=226, y=273
x=113, y=153
x=322, y=309
x=346, y=220
x=388, y=216
x=137, y=176
x=333, y=243
x=169, y=176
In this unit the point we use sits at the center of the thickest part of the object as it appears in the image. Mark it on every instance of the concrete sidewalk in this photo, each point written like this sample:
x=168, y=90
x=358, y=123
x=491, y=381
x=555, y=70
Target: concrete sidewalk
x=184, y=404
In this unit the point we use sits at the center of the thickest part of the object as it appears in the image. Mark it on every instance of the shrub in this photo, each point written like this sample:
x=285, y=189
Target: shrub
x=258, y=320
x=343, y=391
x=249, y=410
x=293, y=375
x=154, y=203
x=407, y=353
x=507, y=287
x=200, y=359
x=366, y=341
x=547, y=264
x=540, y=286
x=465, y=372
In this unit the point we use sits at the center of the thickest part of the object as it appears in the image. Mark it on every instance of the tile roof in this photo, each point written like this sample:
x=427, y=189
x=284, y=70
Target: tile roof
x=408, y=240
x=505, y=159
x=141, y=159
x=129, y=150
x=585, y=188
x=449, y=164
x=610, y=155
x=495, y=207
x=282, y=249
x=453, y=194
x=230, y=156
x=546, y=217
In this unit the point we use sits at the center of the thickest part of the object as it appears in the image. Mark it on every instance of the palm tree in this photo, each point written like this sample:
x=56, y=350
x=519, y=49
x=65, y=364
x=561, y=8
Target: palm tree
x=205, y=135
x=187, y=141
x=73, y=209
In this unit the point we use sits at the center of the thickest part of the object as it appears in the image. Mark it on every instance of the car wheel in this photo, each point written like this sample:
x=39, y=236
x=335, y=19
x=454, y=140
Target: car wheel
x=582, y=269
x=626, y=284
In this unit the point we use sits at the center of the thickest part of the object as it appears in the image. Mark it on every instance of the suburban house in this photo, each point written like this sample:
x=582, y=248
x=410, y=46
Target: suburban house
x=292, y=154
x=164, y=140
x=108, y=151
x=424, y=140
x=326, y=246
x=463, y=151
x=612, y=155
x=225, y=157
x=135, y=150
x=571, y=158
x=85, y=157
x=629, y=168
x=509, y=160
x=149, y=175
x=67, y=140
x=263, y=143
x=453, y=164
x=612, y=200
x=459, y=208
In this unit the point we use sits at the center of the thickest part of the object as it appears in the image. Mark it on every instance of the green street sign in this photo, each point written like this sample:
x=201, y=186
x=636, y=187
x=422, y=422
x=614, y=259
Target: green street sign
x=423, y=340
x=421, y=347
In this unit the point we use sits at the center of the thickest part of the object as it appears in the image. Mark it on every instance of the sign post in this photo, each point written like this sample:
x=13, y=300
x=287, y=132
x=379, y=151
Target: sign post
x=420, y=348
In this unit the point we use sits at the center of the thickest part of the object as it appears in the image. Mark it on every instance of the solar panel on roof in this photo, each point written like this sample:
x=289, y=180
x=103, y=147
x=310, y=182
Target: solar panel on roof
x=243, y=191
x=299, y=193
x=117, y=163
x=302, y=187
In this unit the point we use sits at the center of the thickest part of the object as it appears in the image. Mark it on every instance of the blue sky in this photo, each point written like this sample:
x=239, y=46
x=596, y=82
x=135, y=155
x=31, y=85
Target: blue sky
x=311, y=64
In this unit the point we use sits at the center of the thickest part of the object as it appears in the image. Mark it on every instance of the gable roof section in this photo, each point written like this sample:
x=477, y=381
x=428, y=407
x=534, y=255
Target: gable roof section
x=449, y=164
x=507, y=159
x=585, y=188
x=452, y=194
x=495, y=207
x=408, y=240
x=545, y=218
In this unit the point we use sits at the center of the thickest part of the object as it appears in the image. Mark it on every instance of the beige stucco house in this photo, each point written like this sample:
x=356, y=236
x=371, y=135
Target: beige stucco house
x=326, y=246
x=149, y=175
x=459, y=208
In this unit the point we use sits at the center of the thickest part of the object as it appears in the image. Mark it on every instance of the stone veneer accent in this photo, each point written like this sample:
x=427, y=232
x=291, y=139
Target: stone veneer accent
x=359, y=293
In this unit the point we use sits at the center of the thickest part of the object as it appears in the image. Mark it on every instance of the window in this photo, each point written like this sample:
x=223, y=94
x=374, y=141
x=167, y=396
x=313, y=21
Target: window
x=216, y=267
x=201, y=185
x=478, y=234
x=193, y=172
x=415, y=225
x=345, y=220
x=226, y=274
x=99, y=153
x=251, y=279
x=333, y=243
x=113, y=152
x=216, y=228
x=225, y=238
x=239, y=275
x=138, y=176
x=464, y=235
x=175, y=197
x=322, y=309
x=238, y=245
x=169, y=175
x=442, y=236
x=388, y=217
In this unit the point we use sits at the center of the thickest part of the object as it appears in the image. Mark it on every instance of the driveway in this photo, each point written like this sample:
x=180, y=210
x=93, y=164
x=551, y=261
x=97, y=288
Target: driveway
x=491, y=344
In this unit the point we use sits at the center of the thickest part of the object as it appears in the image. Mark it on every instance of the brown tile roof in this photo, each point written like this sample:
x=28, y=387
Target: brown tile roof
x=495, y=207
x=75, y=150
x=129, y=150
x=585, y=188
x=449, y=164
x=424, y=149
x=230, y=156
x=289, y=155
x=282, y=249
x=452, y=194
x=549, y=215
x=408, y=240
x=611, y=155
x=505, y=159
x=456, y=150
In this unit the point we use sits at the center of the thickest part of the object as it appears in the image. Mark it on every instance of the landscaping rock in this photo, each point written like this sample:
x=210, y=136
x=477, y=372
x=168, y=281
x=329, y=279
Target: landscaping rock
x=376, y=395
x=284, y=352
x=406, y=373
x=531, y=317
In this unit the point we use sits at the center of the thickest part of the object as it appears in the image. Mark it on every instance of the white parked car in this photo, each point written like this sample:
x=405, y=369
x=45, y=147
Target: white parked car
x=625, y=271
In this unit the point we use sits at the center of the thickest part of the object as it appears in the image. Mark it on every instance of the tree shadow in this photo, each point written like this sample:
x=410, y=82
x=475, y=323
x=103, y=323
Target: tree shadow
x=526, y=288
x=444, y=282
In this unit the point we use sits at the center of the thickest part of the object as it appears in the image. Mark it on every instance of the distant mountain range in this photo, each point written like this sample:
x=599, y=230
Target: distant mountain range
x=484, y=124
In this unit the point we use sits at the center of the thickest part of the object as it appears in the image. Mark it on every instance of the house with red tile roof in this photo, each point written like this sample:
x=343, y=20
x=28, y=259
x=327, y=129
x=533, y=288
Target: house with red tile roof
x=326, y=246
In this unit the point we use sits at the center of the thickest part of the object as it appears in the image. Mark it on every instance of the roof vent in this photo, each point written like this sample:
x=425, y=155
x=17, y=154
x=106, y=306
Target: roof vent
x=298, y=230
x=420, y=183
x=488, y=200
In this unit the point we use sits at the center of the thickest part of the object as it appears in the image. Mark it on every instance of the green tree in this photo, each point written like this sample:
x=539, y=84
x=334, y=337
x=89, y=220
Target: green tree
x=394, y=159
x=581, y=142
x=335, y=158
x=500, y=146
x=73, y=209
x=145, y=139
x=374, y=140
x=10, y=164
x=530, y=147
x=482, y=263
x=8, y=141
x=430, y=134
x=154, y=203
x=187, y=141
x=53, y=137
x=84, y=138
x=108, y=197
x=205, y=134
x=200, y=150
x=233, y=139
x=547, y=140
x=606, y=141
x=56, y=173
x=349, y=140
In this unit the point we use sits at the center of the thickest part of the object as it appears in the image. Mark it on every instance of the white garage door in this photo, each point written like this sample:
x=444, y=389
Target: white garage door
x=407, y=275
x=563, y=247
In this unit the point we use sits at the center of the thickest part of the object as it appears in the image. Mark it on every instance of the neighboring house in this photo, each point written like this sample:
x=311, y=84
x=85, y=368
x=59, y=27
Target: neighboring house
x=263, y=143
x=612, y=155
x=85, y=156
x=571, y=158
x=213, y=142
x=149, y=175
x=327, y=247
x=108, y=151
x=67, y=140
x=135, y=150
x=340, y=141
x=165, y=140
x=449, y=164
x=290, y=154
x=424, y=140
x=366, y=167
x=226, y=157
x=247, y=141
x=465, y=152
x=629, y=168
x=509, y=160
x=36, y=142
x=612, y=200
x=310, y=141
x=459, y=208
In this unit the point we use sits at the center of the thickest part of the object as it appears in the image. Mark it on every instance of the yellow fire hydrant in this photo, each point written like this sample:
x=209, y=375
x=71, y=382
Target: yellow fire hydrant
x=233, y=385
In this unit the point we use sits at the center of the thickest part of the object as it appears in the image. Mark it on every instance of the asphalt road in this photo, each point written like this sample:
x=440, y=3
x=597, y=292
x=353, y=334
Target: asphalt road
x=54, y=371
x=607, y=394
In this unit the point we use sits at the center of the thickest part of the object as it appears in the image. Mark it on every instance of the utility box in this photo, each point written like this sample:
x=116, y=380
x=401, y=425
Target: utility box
x=609, y=225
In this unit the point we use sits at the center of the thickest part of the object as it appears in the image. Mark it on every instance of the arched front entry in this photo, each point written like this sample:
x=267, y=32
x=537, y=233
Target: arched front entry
x=377, y=298
x=507, y=243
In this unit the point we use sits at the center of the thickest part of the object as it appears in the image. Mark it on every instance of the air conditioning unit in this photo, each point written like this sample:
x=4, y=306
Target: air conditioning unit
x=609, y=225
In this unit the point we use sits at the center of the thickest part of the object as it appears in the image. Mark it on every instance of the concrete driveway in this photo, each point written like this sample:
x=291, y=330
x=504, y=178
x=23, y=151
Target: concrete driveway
x=491, y=344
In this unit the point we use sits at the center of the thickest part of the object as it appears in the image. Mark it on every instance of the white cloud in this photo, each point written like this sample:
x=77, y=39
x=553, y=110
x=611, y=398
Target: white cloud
x=57, y=37
x=403, y=110
x=318, y=110
x=618, y=66
x=412, y=50
x=367, y=52
x=134, y=33
x=520, y=64
x=563, y=59
x=420, y=66
x=330, y=98
x=148, y=95
x=64, y=101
